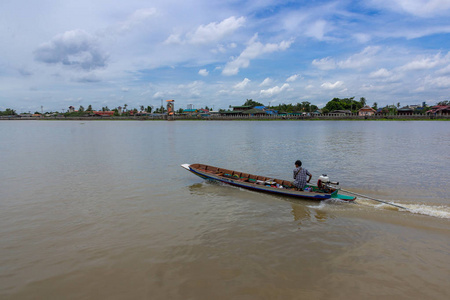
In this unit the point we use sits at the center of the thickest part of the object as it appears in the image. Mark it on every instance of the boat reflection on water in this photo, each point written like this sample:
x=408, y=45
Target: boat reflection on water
x=304, y=213
x=300, y=208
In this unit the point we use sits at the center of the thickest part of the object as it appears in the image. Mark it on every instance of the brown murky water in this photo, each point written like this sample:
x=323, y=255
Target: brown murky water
x=102, y=210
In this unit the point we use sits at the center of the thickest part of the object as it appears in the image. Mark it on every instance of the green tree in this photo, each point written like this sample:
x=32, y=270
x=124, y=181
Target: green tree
x=81, y=109
x=149, y=109
x=362, y=100
x=8, y=112
x=250, y=102
x=389, y=110
x=342, y=104
x=89, y=108
x=375, y=106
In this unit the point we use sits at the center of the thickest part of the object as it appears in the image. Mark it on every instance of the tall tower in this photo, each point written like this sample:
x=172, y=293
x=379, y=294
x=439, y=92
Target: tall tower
x=170, y=107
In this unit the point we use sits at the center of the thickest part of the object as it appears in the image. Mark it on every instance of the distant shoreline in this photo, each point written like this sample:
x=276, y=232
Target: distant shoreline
x=236, y=118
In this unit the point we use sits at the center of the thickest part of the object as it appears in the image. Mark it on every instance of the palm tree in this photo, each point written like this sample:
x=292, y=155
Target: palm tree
x=362, y=100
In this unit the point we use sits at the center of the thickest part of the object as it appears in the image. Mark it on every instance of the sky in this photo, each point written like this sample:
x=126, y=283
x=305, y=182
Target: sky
x=56, y=54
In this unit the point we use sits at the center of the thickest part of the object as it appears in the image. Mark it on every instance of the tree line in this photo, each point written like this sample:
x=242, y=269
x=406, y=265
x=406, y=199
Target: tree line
x=335, y=104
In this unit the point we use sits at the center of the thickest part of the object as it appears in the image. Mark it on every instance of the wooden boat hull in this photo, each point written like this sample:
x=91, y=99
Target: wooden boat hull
x=261, y=183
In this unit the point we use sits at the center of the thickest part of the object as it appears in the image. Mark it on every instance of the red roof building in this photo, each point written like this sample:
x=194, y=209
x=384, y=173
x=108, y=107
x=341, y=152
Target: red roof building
x=366, y=111
x=103, y=113
x=440, y=110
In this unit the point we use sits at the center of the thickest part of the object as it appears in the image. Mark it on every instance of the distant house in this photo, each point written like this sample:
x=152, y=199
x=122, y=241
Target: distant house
x=267, y=110
x=439, y=110
x=241, y=108
x=366, y=111
x=341, y=112
x=405, y=111
x=103, y=113
x=254, y=112
x=189, y=111
x=71, y=109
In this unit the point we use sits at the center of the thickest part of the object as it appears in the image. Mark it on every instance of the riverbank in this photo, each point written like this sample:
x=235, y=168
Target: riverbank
x=240, y=118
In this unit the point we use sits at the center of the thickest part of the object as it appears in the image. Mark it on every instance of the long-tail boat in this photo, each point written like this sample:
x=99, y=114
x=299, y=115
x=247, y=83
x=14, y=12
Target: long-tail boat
x=322, y=191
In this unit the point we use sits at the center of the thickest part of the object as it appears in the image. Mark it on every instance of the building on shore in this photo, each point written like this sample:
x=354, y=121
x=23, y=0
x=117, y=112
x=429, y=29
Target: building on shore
x=439, y=110
x=366, y=111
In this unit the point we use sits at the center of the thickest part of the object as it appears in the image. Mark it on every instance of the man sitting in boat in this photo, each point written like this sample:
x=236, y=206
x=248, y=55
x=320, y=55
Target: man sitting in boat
x=300, y=175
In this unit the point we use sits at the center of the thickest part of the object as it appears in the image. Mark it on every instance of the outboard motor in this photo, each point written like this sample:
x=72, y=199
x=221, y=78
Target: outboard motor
x=324, y=182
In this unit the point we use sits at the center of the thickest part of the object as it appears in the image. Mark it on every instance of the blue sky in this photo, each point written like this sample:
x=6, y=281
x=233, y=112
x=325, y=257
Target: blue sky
x=219, y=53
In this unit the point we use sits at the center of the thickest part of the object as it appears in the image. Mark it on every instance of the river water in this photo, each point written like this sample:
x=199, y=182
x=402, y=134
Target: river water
x=103, y=210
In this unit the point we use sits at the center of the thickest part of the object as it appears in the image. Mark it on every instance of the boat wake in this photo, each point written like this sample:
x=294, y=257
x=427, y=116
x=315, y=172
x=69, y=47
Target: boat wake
x=434, y=211
x=438, y=211
x=441, y=211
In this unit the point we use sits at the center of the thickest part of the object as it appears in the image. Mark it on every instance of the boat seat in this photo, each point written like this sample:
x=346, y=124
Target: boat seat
x=287, y=183
x=226, y=172
x=244, y=175
x=252, y=178
x=211, y=169
x=236, y=175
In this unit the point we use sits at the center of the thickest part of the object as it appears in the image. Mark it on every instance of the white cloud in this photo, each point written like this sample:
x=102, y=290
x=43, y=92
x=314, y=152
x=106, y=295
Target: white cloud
x=292, y=78
x=326, y=63
x=440, y=82
x=209, y=33
x=355, y=61
x=317, y=29
x=423, y=63
x=266, y=82
x=332, y=86
x=242, y=84
x=216, y=31
x=173, y=39
x=362, y=37
x=380, y=73
x=75, y=48
x=203, y=72
x=254, y=49
x=275, y=90
x=359, y=60
x=137, y=18
x=420, y=8
x=158, y=95
x=444, y=70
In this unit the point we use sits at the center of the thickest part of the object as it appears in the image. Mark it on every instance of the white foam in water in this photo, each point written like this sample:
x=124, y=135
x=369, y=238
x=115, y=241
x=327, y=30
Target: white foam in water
x=434, y=211
x=422, y=209
x=321, y=205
